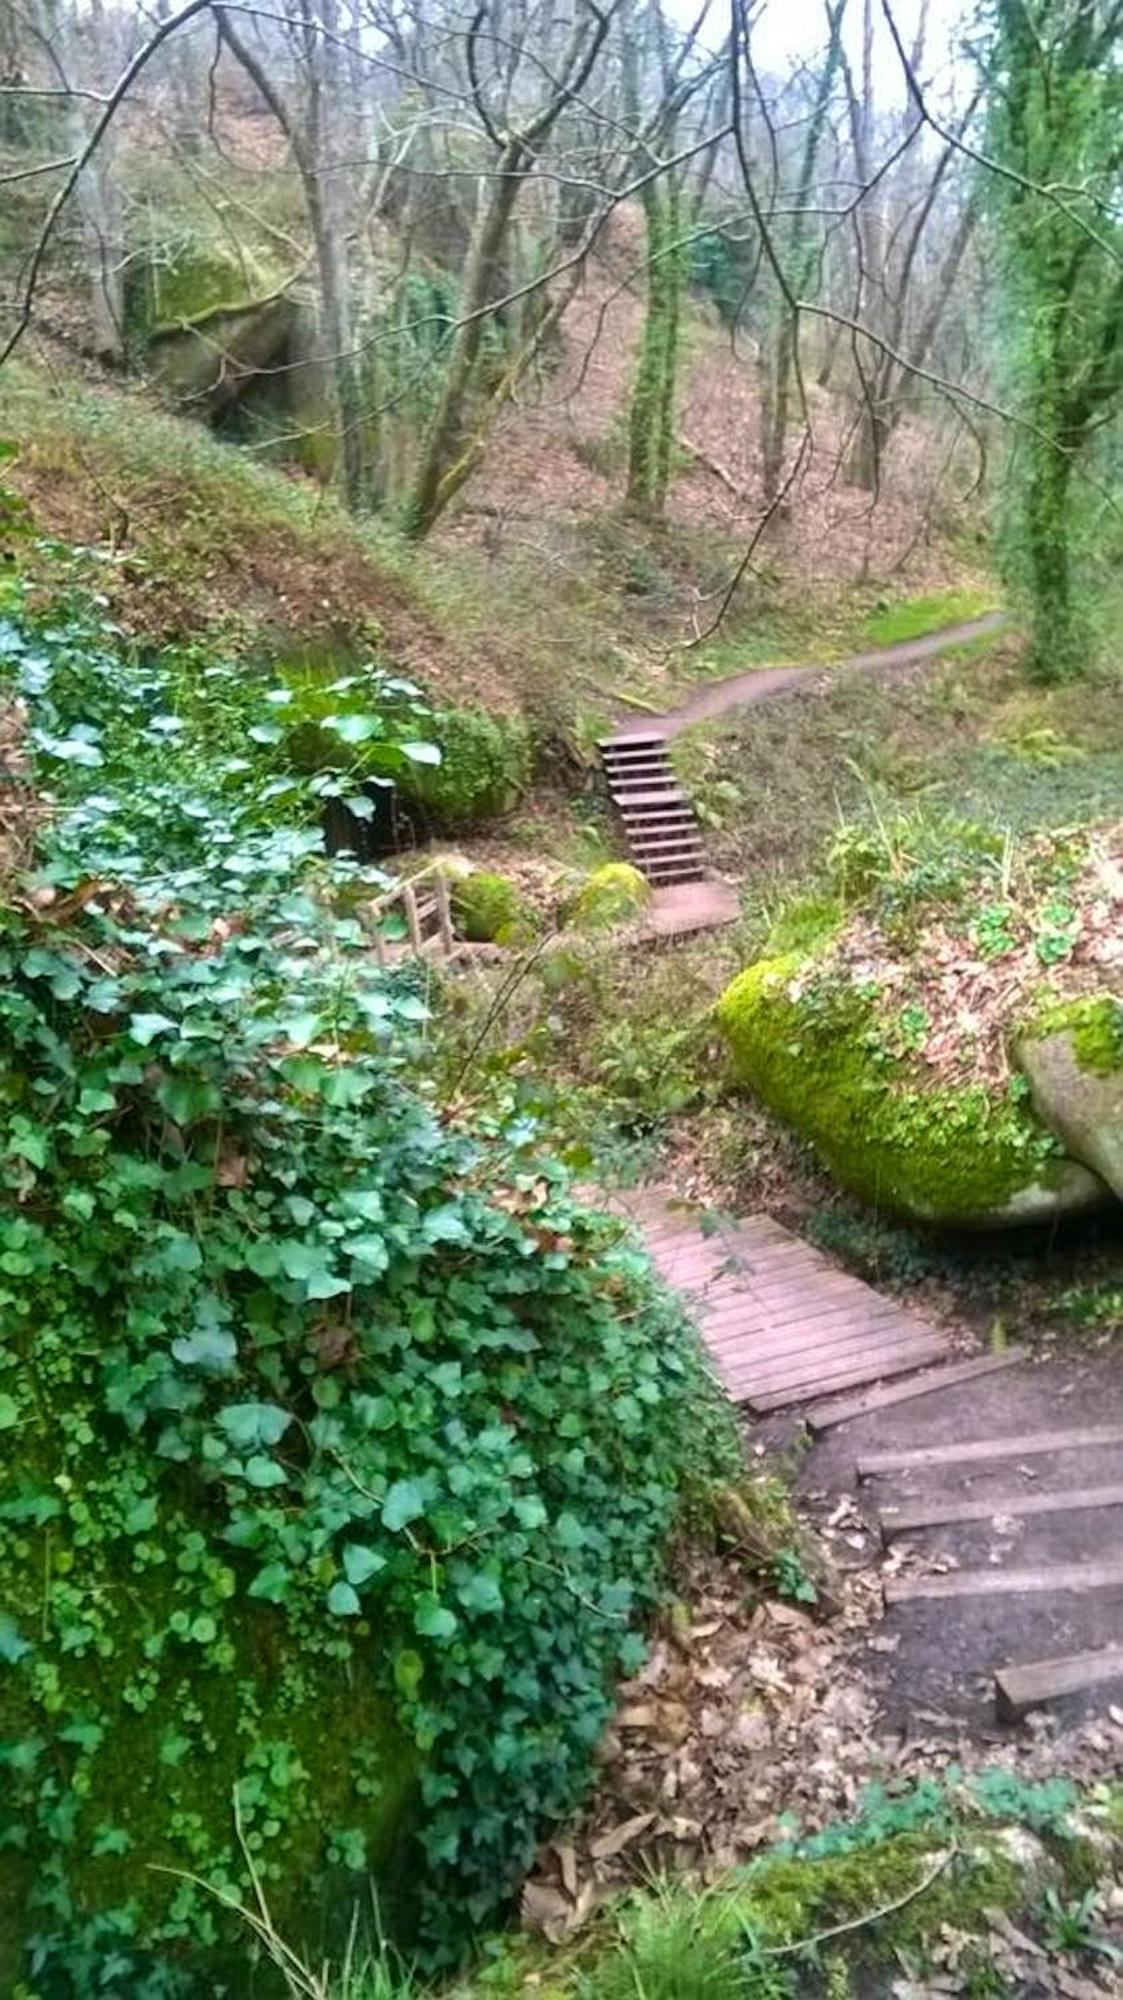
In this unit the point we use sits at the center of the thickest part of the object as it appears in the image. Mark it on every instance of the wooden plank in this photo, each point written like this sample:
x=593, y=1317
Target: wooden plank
x=978, y=1451
x=808, y=1370
x=812, y=1323
x=1018, y=1689
x=844, y=1409
x=913, y=1514
x=829, y=1340
x=1061, y=1578
x=842, y=1378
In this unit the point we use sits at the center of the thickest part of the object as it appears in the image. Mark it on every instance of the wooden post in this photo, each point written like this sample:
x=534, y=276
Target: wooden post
x=444, y=917
x=409, y=903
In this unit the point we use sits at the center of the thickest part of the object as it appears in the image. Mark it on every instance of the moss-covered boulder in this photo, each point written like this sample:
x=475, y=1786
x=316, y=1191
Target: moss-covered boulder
x=614, y=894
x=888, y=1033
x=488, y=908
x=1074, y=1062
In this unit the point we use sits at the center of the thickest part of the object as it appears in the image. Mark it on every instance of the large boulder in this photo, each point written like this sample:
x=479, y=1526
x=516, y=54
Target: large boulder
x=955, y=1154
x=887, y=1022
x=1075, y=1068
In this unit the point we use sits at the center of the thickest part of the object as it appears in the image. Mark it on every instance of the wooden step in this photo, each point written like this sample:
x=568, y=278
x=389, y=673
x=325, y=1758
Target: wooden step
x=1018, y=1689
x=980, y=1451
x=909, y=1515
x=630, y=742
x=1059, y=1577
x=826, y=1415
x=665, y=796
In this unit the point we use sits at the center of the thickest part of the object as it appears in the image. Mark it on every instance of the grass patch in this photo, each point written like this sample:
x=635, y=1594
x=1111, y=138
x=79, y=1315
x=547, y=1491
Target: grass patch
x=915, y=617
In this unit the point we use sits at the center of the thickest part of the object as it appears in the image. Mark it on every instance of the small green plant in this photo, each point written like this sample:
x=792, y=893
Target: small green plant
x=675, y=1944
x=1070, y=1926
x=993, y=930
x=790, y=1578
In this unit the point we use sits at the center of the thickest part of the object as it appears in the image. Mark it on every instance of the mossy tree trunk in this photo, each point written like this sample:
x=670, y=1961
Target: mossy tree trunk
x=651, y=420
x=1055, y=83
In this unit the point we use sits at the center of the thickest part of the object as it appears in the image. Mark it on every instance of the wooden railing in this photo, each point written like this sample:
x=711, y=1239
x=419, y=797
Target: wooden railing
x=424, y=903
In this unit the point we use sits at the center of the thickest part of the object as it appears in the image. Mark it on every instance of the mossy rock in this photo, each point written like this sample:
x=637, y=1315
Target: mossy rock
x=1073, y=1058
x=611, y=895
x=810, y=1046
x=490, y=909
x=485, y=770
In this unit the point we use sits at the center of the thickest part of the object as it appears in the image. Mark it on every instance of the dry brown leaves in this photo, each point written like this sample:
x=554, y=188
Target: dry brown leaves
x=752, y=1719
x=21, y=811
x=974, y=1002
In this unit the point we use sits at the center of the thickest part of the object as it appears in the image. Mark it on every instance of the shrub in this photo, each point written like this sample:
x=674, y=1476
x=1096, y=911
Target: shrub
x=611, y=895
x=485, y=769
x=341, y=1446
x=489, y=907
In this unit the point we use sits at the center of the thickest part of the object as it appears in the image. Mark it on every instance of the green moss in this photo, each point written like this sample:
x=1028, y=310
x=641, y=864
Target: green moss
x=489, y=908
x=196, y=280
x=612, y=895
x=1095, y=1023
x=813, y=1051
x=176, y=1722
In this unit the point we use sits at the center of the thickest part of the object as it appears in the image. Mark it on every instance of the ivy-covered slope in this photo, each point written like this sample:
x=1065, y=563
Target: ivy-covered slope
x=340, y=1446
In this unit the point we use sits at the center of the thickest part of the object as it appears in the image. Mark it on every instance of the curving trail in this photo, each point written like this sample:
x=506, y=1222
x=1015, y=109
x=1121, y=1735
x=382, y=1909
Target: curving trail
x=762, y=683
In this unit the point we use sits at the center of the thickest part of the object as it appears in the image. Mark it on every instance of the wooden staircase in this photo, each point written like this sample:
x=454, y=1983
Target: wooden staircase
x=659, y=820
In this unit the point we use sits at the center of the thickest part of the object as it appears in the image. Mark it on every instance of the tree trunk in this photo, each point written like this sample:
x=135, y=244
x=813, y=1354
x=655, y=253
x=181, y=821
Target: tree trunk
x=1055, y=636
x=436, y=474
x=651, y=417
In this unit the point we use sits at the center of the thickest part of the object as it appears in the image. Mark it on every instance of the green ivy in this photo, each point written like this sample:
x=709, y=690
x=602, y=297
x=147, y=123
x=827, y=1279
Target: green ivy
x=341, y=1445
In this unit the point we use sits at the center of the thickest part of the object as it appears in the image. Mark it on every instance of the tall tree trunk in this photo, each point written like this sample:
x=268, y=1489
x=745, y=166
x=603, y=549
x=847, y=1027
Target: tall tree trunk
x=446, y=438
x=651, y=417
x=779, y=371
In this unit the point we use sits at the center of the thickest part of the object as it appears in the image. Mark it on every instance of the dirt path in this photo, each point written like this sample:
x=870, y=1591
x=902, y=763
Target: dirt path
x=762, y=683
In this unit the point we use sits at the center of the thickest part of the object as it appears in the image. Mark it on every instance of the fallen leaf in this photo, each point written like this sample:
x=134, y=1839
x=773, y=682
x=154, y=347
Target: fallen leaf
x=622, y=1836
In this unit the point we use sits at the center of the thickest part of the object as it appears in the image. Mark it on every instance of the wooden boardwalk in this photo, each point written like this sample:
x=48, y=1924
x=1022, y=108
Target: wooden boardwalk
x=781, y=1322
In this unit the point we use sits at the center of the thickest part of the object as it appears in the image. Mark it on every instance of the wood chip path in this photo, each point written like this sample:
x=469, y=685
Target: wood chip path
x=782, y=1323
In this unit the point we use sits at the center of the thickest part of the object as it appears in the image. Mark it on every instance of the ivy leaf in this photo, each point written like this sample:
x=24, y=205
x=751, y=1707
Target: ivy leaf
x=343, y=1601
x=212, y=1348
x=361, y=1563
x=263, y=1472
x=13, y=1646
x=144, y=1028
x=187, y=1098
x=249, y=1425
x=421, y=753
x=140, y=1516
x=9, y=1413
x=370, y=1253
x=408, y=1670
x=271, y=1583
x=433, y=1619
x=404, y=1502
x=481, y=1593
x=354, y=728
